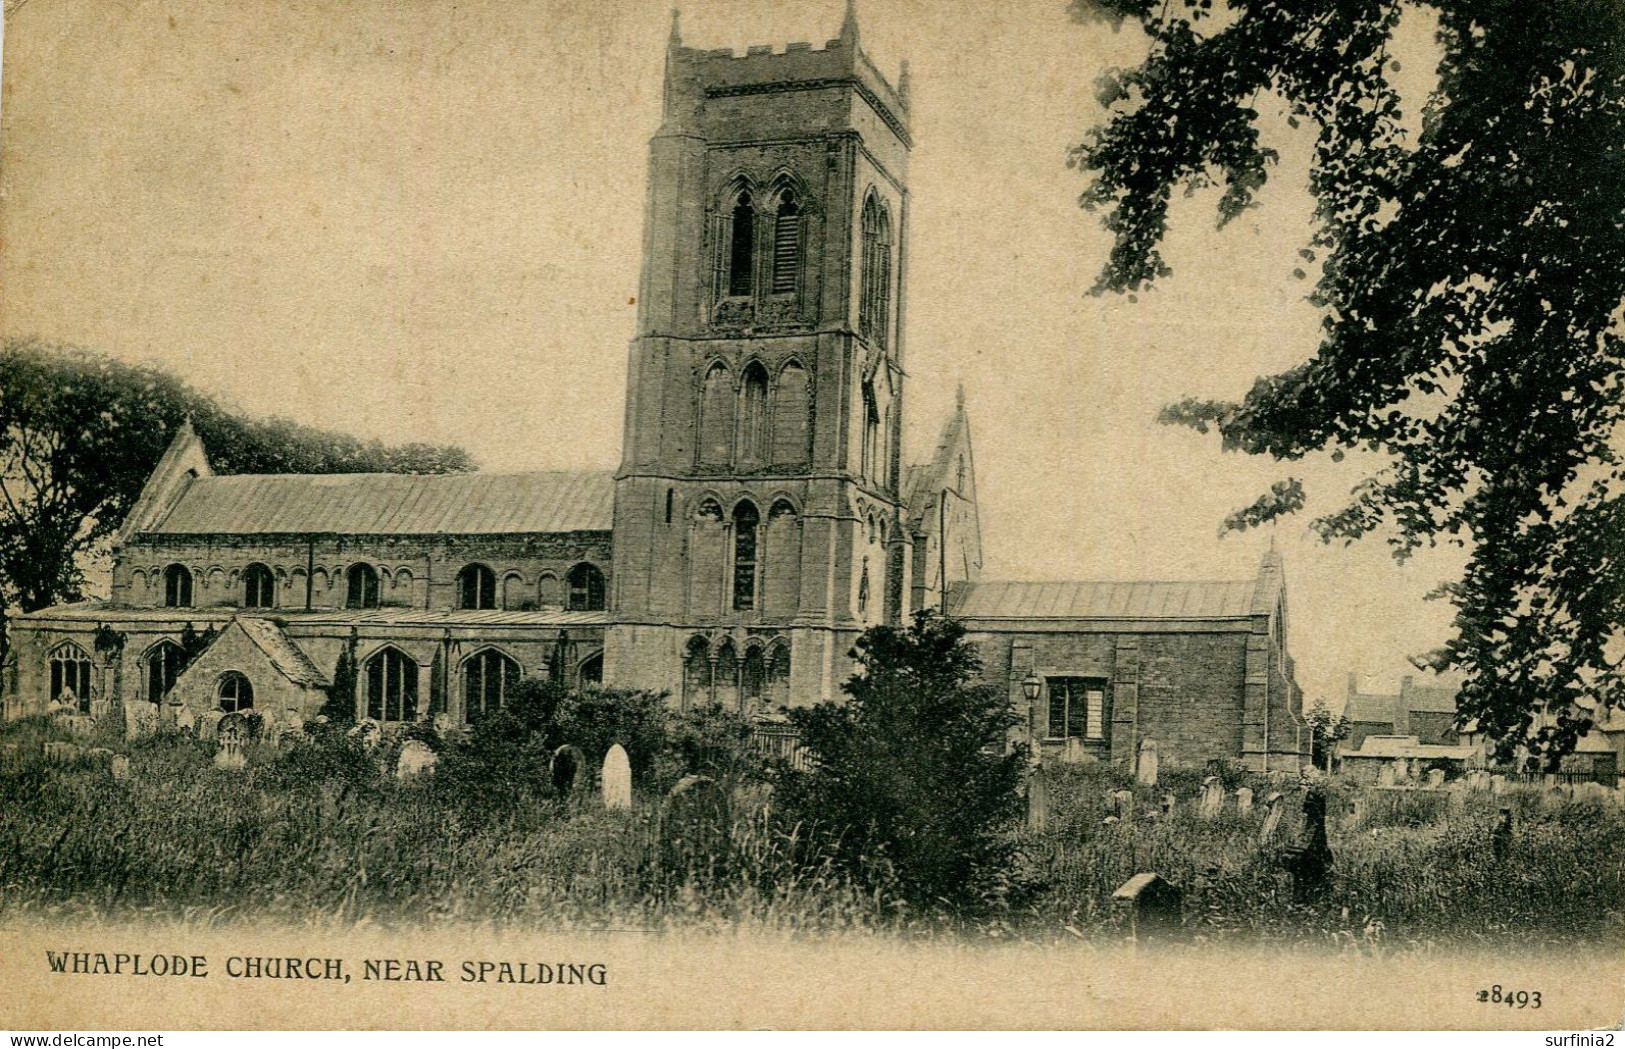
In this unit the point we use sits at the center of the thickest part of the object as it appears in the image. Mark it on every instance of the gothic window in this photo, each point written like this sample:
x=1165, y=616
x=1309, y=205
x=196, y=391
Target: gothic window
x=259, y=587
x=742, y=246
x=392, y=686
x=177, y=587
x=234, y=693
x=746, y=520
x=781, y=561
x=753, y=415
x=362, y=586
x=790, y=411
x=1077, y=708
x=753, y=679
x=592, y=670
x=863, y=589
x=874, y=271
x=778, y=675
x=165, y=662
x=476, y=588
x=586, y=588
x=697, y=673
x=869, y=457
x=70, y=675
x=786, y=245
x=727, y=676
x=716, y=415
x=488, y=678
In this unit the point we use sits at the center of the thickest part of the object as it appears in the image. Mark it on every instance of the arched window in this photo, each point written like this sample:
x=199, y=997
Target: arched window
x=745, y=544
x=868, y=453
x=70, y=675
x=165, y=662
x=863, y=589
x=778, y=675
x=586, y=588
x=476, y=588
x=234, y=693
x=753, y=415
x=790, y=409
x=547, y=591
x=592, y=670
x=874, y=292
x=742, y=247
x=515, y=595
x=697, y=673
x=362, y=581
x=488, y=678
x=392, y=686
x=727, y=675
x=177, y=587
x=259, y=587
x=753, y=680
x=786, y=245
x=716, y=415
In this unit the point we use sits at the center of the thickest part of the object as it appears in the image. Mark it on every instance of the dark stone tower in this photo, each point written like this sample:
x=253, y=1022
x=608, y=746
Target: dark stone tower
x=757, y=522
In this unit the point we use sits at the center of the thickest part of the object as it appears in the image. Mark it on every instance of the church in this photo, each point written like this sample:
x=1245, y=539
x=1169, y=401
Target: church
x=762, y=516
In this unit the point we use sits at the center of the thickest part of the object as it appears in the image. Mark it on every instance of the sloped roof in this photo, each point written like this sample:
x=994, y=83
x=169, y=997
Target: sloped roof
x=1228, y=599
x=104, y=612
x=1435, y=699
x=1407, y=747
x=288, y=658
x=393, y=504
x=1370, y=708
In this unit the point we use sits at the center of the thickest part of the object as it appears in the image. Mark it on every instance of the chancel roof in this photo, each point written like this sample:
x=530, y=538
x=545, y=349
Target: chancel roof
x=393, y=504
x=1228, y=599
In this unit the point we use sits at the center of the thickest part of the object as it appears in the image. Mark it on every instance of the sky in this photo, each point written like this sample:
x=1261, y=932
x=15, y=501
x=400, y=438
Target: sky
x=419, y=220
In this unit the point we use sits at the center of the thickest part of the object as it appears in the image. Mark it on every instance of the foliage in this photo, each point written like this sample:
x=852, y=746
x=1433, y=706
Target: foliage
x=80, y=433
x=339, y=706
x=913, y=774
x=1470, y=283
x=1325, y=730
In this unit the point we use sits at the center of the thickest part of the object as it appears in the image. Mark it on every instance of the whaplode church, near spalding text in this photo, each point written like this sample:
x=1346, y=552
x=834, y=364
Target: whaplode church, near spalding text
x=762, y=516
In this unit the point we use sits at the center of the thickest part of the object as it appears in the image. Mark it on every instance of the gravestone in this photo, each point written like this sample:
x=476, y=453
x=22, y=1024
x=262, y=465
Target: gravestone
x=568, y=771
x=1309, y=860
x=1037, y=798
x=1387, y=774
x=1357, y=810
x=1498, y=784
x=1435, y=779
x=416, y=760
x=1478, y=779
x=140, y=720
x=207, y=724
x=694, y=822
x=1145, y=772
x=1152, y=905
x=1244, y=800
x=1122, y=804
x=77, y=725
x=184, y=719
x=61, y=753
x=1501, y=837
x=366, y=732
x=1274, y=810
x=230, y=734
x=119, y=767
x=1212, y=802
x=1168, y=803
x=617, y=779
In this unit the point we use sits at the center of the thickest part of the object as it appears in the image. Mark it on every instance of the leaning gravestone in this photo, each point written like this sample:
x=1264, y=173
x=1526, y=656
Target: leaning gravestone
x=1151, y=905
x=1212, y=798
x=1274, y=810
x=1145, y=772
x=617, y=779
x=416, y=759
x=568, y=771
x=1244, y=800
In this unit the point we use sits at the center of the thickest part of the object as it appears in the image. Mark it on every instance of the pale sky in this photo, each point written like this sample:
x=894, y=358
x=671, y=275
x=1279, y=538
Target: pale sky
x=415, y=220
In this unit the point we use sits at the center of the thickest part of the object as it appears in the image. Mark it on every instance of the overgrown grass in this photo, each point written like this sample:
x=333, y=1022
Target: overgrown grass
x=317, y=834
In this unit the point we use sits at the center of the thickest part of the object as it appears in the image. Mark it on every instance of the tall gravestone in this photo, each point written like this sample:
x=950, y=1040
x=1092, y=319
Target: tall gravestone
x=1145, y=772
x=230, y=734
x=1212, y=802
x=1037, y=798
x=1274, y=810
x=617, y=779
x=1244, y=800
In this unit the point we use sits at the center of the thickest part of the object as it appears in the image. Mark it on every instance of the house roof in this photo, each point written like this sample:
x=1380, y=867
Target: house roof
x=288, y=659
x=1225, y=599
x=392, y=504
x=1368, y=707
x=1401, y=747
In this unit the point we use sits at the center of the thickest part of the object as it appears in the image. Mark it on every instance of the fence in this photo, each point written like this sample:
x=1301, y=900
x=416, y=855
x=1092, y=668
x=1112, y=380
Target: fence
x=1606, y=777
x=782, y=742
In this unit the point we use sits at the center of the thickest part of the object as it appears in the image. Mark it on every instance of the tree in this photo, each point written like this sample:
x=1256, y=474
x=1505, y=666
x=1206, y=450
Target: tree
x=1325, y=731
x=914, y=771
x=1471, y=285
x=80, y=433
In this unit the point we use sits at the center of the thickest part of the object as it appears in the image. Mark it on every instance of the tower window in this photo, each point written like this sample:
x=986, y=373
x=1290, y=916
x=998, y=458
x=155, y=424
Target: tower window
x=753, y=415
x=362, y=586
x=669, y=498
x=874, y=293
x=476, y=588
x=259, y=587
x=742, y=252
x=786, y=245
x=177, y=587
x=586, y=588
x=746, y=520
x=871, y=433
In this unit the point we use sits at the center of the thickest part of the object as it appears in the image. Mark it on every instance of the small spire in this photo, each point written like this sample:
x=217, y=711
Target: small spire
x=849, y=24
x=676, y=27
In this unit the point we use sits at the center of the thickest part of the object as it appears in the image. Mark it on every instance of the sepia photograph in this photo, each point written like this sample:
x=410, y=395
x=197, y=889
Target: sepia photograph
x=862, y=514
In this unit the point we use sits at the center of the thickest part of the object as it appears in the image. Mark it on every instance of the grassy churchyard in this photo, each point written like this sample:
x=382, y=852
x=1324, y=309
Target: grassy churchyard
x=321, y=830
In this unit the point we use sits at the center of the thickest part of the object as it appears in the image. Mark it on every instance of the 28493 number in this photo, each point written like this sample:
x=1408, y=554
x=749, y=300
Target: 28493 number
x=1511, y=999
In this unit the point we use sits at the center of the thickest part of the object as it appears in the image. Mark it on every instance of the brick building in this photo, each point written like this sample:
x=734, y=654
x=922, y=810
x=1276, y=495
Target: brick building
x=761, y=518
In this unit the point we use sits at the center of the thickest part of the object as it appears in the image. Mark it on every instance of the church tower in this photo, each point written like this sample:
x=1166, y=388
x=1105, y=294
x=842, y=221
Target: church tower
x=757, y=524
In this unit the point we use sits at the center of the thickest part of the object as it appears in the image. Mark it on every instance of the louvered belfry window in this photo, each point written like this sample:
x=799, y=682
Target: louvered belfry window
x=786, y=246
